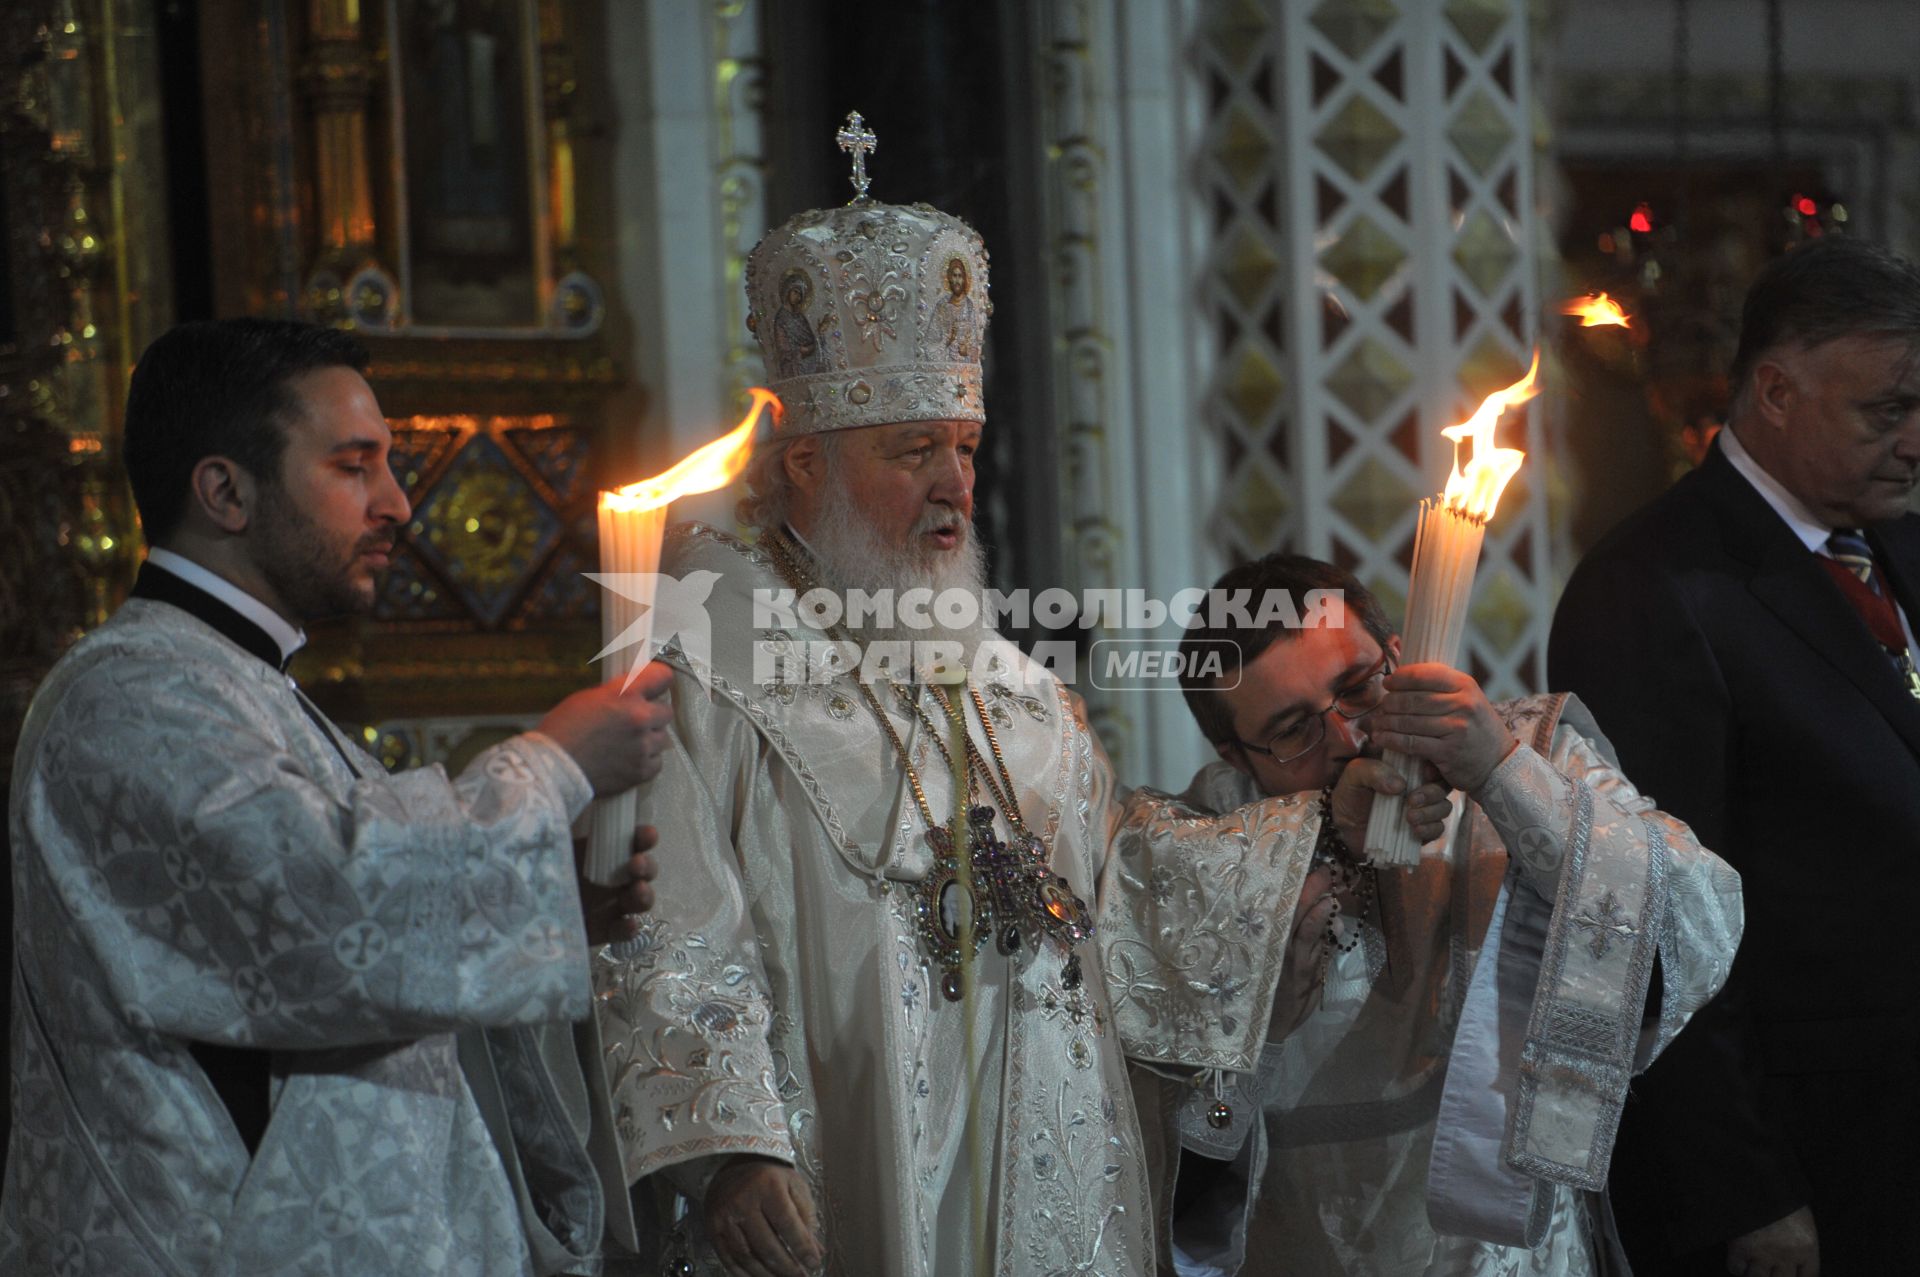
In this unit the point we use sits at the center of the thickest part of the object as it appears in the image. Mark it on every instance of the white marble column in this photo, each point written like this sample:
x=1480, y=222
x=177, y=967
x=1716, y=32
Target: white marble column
x=1121, y=226
x=686, y=85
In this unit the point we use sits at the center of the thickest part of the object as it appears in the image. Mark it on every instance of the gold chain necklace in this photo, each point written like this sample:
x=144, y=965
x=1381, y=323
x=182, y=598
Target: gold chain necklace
x=1002, y=789
x=1016, y=895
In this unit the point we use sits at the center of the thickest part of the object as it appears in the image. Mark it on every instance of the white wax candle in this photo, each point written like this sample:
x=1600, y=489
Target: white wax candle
x=630, y=545
x=1446, y=555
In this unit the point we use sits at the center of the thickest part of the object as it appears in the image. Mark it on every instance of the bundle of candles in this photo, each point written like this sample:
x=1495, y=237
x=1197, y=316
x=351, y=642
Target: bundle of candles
x=633, y=521
x=1446, y=554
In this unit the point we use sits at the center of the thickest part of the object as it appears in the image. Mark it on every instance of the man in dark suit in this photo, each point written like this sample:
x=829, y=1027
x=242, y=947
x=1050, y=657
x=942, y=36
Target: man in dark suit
x=1746, y=641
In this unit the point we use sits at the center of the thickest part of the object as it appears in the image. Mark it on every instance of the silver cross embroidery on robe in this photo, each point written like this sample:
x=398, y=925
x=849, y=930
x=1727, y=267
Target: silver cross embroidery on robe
x=1608, y=922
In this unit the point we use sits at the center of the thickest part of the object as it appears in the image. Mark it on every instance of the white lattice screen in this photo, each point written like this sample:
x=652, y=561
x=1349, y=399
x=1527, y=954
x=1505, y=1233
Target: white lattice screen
x=1368, y=173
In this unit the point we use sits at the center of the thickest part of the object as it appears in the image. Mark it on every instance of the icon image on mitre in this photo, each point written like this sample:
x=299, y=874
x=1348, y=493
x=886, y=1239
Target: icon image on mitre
x=870, y=313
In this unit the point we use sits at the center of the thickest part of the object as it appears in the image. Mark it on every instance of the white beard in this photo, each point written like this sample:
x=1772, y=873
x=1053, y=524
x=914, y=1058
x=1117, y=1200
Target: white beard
x=851, y=555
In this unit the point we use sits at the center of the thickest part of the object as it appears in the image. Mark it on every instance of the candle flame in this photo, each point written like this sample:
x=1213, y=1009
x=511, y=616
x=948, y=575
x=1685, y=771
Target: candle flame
x=710, y=466
x=1597, y=311
x=1475, y=491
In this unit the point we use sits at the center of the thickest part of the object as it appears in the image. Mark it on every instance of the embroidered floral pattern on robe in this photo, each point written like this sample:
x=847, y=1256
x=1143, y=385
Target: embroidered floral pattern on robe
x=1333, y=1132
x=803, y=844
x=193, y=862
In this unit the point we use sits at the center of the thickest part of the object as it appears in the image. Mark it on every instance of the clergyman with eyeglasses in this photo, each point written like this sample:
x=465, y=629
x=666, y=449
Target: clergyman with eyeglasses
x=1450, y=1044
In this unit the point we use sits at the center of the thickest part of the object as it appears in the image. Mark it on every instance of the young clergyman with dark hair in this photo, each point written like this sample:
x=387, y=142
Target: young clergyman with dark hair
x=242, y=950
x=1450, y=1043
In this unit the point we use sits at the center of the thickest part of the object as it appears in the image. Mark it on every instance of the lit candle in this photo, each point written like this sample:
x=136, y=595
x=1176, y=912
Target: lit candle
x=1446, y=553
x=1597, y=311
x=633, y=520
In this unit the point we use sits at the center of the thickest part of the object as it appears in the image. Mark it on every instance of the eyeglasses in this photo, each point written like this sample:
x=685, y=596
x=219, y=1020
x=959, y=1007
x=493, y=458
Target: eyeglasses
x=1352, y=702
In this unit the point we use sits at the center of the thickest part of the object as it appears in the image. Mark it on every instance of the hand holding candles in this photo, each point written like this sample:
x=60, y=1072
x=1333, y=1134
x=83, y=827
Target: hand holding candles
x=1446, y=553
x=1440, y=716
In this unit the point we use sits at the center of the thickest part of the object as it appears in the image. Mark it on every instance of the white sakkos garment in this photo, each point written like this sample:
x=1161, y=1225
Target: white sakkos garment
x=779, y=1000
x=1449, y=1109
x=195, y=862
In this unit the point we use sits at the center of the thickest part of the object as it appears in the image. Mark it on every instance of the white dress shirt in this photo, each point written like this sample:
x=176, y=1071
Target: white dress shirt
x=290, y=639
x=1809, y=527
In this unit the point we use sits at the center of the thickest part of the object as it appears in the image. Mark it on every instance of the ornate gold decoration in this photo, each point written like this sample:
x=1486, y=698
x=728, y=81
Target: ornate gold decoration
x=86, y=128
x=300, y=186
x=312, y=215
x=392, y=748
x=557, y=84
x=577, y=304
x=84, y=200
x=69, y=83
x=477, y=741
x=347, y=284
x=316, y=215
x=509, y=375
x=486, y=526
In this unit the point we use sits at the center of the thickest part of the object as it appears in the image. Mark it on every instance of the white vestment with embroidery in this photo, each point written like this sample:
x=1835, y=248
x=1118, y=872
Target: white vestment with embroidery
x=195, y=862
x=1448, y=1110
x=778, y=1000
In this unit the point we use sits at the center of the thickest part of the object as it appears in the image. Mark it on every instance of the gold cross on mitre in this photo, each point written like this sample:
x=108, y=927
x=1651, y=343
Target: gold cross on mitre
x=856, y=138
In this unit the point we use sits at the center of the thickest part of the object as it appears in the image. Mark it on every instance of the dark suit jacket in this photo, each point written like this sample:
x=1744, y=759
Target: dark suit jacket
x=1749, y=699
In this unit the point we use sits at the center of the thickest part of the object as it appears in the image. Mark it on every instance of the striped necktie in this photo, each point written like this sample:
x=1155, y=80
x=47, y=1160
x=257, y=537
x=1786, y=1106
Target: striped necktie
x=1850, y=549
x=1851, y=566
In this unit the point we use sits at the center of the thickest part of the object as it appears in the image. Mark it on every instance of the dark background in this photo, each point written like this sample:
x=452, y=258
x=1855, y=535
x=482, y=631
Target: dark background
x=949, y=91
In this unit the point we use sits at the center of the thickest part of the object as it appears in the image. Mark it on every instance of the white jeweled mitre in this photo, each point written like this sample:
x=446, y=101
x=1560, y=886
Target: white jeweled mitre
x=871, y=313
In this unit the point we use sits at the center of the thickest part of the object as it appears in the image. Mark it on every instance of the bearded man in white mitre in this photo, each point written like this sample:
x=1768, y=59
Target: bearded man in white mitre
x=810, y=1065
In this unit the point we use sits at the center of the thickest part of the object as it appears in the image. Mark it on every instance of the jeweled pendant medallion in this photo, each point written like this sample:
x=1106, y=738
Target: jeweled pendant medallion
x=1014, y=896
x=952, y=919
